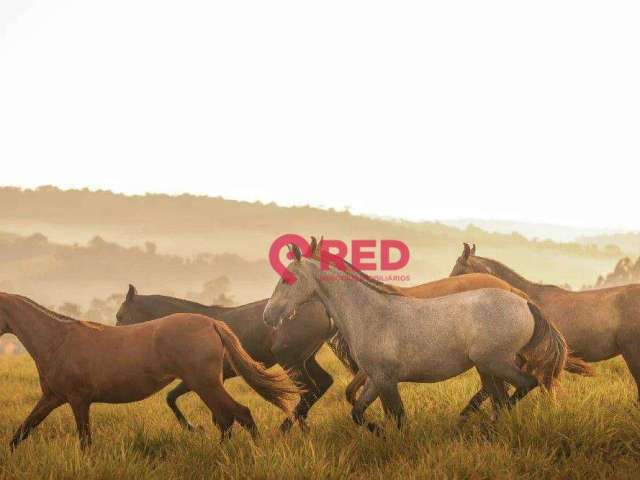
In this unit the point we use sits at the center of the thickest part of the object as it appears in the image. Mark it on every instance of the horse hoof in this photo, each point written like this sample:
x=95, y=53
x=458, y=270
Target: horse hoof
x=377, y=430
x=303, y=425
x=462, y=421
x=286, y=426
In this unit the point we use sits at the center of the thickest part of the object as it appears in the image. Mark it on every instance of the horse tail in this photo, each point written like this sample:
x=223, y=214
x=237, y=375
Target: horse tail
x=520, y=293
x=341, y=349
x=579, y=367
x=356, y=383
x=545, y=356
x=275, y=387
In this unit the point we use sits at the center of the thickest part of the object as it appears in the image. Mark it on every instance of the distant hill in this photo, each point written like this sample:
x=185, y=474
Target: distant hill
x=54, y=273
x=629, y=242
x=186, y=225
x=540, y=231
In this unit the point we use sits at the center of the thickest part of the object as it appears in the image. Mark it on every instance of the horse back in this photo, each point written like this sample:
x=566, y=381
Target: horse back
x=461, y=283
x=594, y=322
x=629, y=307
x=184, y=336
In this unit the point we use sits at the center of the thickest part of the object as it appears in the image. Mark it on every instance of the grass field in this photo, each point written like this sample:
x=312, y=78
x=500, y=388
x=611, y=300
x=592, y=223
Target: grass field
x=593, y=431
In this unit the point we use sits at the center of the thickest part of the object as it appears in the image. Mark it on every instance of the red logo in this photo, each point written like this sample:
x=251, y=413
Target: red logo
x=333, y=253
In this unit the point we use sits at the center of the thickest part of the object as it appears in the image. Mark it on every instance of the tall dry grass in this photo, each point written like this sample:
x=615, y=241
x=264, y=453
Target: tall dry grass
x=592, y=432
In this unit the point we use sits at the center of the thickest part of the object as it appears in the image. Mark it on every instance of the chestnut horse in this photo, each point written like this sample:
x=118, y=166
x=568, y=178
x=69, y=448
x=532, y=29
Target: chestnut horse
x=293, y=347
x=81, y=363
x=597, y=324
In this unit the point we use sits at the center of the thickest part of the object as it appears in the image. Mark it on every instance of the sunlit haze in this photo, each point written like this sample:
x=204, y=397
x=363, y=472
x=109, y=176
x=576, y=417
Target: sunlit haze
x=524, y=111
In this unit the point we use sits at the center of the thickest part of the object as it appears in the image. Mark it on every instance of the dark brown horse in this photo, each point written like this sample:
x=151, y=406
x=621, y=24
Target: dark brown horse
x=81, y=363
x=293, y=347
x=597, y=324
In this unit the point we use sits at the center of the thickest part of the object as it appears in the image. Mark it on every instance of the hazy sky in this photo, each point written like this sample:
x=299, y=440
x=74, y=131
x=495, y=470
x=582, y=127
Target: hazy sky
x=422, y=110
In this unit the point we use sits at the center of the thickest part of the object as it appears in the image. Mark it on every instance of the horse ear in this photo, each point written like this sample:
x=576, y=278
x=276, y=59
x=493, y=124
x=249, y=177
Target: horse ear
x=466, y=252
x=473, y=249
x=132, y=292
x=296, y=252
x=313, y=246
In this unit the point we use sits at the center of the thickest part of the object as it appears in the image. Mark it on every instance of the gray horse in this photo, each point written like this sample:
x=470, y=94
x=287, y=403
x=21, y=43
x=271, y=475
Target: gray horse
x=400, y=339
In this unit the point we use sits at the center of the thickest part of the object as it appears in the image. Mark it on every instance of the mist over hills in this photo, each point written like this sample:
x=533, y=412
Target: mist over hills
x=93, y=243
x=628, y=242
x=532, y=230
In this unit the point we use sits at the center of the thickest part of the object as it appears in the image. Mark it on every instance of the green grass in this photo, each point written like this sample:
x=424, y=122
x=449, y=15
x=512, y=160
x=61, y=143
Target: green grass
x=591, y=431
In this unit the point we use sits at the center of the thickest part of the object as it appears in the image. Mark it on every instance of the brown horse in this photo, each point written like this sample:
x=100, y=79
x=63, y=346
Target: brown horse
x=81, y=363
x=597, y=324
x=293, y=347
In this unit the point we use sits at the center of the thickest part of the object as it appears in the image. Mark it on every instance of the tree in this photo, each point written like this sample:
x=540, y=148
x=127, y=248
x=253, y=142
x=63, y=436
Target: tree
x=215, y=292
x=150, y=248
x=70, y=310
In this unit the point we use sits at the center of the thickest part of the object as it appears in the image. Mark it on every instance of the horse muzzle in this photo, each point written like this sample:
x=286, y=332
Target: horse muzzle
x=274, y=316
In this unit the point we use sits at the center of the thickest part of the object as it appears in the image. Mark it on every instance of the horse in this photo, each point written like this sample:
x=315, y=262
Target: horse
x=293, y=347
x=597, y=324
x=80, y=363
x=437, y=288
x=395, y=338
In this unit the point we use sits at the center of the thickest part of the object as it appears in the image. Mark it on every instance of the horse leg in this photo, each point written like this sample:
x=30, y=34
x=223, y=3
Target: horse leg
x=172, y=398
x=367, y=397
x=298, y=373
x=392, y=403
x=322, y=380
x=497, y=390
x=474, y=404
x=507, y=370
x=42, y=409
x=313, y=379
x=631, y=355
x=225, y=410
x=356, y=383
x=80, y=408
x=520, y=393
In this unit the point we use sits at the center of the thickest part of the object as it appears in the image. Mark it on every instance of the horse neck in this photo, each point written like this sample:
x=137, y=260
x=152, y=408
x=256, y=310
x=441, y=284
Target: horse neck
x=343, y=299
x=162, y=306
x=218, y=310
x=511, y=277
x=39, y=332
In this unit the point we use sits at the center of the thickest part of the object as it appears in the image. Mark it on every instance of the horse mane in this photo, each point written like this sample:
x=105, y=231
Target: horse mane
x=59, y=316
x=46, y=311
x=191, y=303
x=182, y=301
x=503, y=271
x=353, y=272
x=338, y=344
